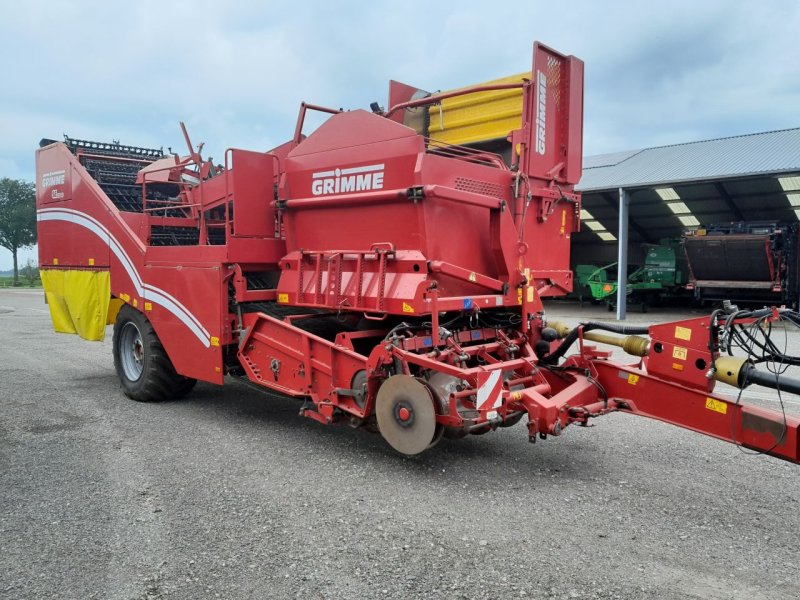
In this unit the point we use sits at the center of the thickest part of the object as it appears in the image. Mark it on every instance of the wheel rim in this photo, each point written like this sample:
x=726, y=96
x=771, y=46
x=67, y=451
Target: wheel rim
x=405, y=413
x=131, y=351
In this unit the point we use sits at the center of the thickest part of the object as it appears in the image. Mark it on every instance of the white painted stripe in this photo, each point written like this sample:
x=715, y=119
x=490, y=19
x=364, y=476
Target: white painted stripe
x=123, y=257
x=185, y=318
x=485, y=391
x=498, y=400
x=99, y=231
x=146, y=291
x=175, y=301
x=350, y=171
x=367, y=169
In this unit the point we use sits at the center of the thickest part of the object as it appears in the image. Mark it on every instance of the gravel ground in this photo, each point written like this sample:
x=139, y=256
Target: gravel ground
x=230, y=494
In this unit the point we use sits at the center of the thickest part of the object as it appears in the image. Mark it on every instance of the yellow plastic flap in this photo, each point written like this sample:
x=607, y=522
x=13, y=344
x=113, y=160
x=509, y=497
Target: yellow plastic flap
x=78, y=301
x=480, y=116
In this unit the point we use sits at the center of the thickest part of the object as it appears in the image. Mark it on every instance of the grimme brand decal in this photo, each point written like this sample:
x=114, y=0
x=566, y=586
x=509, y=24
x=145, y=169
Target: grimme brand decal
x=541, y=110
x=53, y=178
x=354, y=179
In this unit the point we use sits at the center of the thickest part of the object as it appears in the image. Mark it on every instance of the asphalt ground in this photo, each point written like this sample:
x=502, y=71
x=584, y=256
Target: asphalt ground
x=231, y=494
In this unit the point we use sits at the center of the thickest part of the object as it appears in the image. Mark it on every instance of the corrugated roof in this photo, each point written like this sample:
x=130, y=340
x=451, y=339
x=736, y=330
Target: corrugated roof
x=738, y=156
x=607, y=160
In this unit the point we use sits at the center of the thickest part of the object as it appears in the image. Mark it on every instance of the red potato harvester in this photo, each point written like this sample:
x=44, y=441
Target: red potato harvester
x=387, y=270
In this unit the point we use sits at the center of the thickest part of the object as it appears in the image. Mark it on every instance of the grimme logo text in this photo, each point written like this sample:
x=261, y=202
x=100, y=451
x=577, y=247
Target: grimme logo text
x=354, y=179
x=541, y=110
x=53, y=178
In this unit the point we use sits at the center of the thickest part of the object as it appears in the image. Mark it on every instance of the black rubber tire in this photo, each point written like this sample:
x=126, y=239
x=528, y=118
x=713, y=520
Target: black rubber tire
x=158, y=380
x=185, y=387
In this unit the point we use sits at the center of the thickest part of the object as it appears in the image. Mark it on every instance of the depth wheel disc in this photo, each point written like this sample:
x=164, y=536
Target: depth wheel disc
x=406, y=415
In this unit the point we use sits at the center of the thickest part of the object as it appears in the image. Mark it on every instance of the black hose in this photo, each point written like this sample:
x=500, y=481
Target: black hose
x=771, y=380
x=572, y=337
x=621, y=329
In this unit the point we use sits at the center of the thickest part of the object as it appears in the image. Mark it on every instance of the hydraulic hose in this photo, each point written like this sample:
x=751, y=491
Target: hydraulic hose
x=621, y=329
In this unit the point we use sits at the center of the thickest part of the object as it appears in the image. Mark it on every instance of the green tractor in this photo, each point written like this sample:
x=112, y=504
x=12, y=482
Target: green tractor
x=664, y=274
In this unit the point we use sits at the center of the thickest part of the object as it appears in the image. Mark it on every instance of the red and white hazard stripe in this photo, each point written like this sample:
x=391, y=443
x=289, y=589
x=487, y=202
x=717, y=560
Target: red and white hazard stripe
x=490, y=391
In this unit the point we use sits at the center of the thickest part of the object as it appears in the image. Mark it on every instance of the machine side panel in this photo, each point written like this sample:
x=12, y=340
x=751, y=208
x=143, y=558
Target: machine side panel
x=253, y=178
x=454, y=231
x=193, y=337
x=83, y=229
x=554, y=117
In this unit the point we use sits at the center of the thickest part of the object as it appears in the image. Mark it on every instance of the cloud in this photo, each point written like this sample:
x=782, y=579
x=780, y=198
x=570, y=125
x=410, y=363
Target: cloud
x=656, y=73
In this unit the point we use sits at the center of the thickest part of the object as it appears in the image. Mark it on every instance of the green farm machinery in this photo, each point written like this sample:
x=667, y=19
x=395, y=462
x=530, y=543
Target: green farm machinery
x=663, y=274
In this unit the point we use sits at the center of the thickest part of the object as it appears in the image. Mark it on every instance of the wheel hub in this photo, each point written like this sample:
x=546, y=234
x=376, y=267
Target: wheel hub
x=138, y=351
x=131, y=350
x=404, y=413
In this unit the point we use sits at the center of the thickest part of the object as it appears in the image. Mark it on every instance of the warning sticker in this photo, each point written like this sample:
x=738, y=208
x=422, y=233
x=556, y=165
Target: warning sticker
x=679, y=353
x=283, y=298
x=717, y=406
x=633, y=379
x=683, y=333
x=407, y=308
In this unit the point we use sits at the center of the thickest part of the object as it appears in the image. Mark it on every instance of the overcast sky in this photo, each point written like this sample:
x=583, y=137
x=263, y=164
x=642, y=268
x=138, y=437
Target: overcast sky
x=656, y=73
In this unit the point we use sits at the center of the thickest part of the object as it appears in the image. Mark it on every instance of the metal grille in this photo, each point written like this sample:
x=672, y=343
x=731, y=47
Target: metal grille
x=167, y=235
x=480, y=187
x=554, y=78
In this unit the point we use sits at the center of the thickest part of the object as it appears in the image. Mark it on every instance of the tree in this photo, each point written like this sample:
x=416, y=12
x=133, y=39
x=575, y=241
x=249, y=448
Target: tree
x=30, y=272
x=17, y=217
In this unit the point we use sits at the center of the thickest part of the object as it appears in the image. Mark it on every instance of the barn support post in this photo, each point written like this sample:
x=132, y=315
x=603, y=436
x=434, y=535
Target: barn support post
x=622, y=254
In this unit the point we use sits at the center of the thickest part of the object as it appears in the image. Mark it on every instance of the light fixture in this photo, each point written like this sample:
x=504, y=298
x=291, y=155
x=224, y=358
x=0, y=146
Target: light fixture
x=679, y=208
x=594, y=225
x=667, y=193
x=688, y=220
x=790, y=183
x=794, y=198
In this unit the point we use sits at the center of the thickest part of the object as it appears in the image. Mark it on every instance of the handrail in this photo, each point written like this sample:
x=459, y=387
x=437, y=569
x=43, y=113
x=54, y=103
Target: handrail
x=180, y=164
x=393, y=195
x=298, y=130
x=465, y=153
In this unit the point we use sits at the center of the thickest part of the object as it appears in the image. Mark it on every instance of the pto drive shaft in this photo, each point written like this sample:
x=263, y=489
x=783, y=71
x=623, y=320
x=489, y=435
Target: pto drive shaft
x=740, y=372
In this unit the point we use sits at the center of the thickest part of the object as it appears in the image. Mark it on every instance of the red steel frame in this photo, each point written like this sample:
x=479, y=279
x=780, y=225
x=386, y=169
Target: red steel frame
x=366, y=217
